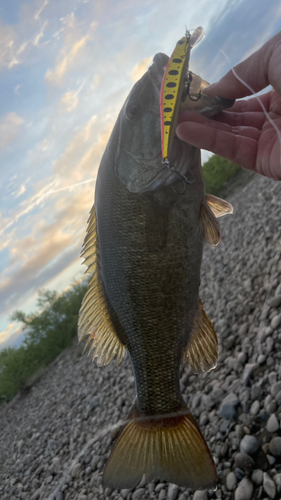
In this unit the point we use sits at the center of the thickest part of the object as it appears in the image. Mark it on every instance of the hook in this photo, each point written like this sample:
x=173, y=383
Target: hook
x=186, y=92
x=183, y=177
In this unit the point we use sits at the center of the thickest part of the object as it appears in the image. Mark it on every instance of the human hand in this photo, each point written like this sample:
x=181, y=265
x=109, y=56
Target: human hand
x=244, y=134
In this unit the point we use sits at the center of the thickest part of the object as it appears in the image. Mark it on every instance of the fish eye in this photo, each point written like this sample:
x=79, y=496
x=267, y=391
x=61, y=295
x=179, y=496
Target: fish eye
x=132, y=110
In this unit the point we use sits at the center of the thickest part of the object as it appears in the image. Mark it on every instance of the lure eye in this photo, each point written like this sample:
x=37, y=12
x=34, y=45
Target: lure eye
x=132, y=110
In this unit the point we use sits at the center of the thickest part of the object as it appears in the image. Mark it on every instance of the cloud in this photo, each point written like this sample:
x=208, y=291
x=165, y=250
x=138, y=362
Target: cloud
x=10, y=125
x=49, y=249
x=140, y=68
x=37, y=14
x=40, y=34
x=65, y=62
x=21, y=190
x=69, y=101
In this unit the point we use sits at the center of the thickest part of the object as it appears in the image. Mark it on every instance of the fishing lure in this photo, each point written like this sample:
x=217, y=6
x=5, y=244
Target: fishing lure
x=175, y=87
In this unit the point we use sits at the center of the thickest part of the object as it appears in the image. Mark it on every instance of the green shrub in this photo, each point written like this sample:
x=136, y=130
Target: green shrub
x=47, y=334
x=217, y=171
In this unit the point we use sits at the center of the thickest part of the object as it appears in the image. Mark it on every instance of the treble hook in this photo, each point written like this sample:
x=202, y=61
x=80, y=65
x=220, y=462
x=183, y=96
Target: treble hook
x=183, y=178
x=188, y=80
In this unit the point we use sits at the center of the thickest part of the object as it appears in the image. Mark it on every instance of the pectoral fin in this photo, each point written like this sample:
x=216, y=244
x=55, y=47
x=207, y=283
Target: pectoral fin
x=202, y=348
x=218, y=206
x=210, y=226
x=94, y=318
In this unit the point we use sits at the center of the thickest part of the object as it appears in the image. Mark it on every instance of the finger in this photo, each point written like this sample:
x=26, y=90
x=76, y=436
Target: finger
x=257, y=72
x=253, y=104
x=255, y=120
x=237, y=148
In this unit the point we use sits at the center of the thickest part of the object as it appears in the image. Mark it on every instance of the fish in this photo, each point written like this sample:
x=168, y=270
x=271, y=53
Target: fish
x=143, y=248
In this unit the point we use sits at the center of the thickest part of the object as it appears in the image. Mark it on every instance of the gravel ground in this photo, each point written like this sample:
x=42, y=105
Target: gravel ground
x=56, y=438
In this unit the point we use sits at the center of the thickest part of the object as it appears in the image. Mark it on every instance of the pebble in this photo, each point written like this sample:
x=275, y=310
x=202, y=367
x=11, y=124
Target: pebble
x=173, y=490
x=275, y=388
x=200, y=495
x=255, y=408
x=138, y=494
x=231, y=481
x=249, y=370
x=76, y=470
x=244, y=490
x=249, y=445
x=275, y=302
x=276, y=321
x=244, y=461
x=269, y=486
x=125, y=492
x=257, y=476
x=162, y=495
x=277, y=480
x=228, y=407
x=275, y=446
x=272, y=423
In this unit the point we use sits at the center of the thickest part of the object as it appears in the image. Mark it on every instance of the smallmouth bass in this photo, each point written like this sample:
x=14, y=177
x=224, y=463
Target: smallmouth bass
x=144, y=247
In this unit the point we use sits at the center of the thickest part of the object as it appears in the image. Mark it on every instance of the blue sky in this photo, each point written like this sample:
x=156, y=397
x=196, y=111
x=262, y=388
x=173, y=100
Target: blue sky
x=65, y=69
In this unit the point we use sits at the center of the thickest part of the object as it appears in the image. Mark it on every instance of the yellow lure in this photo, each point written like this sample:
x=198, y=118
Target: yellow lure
x=172, y=88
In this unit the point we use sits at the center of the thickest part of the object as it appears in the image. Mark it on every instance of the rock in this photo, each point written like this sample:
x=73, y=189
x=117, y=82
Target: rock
x=257, y=476
x=203, y=419
x=55, y=467
x=261, y=359
x=269, y=486
x=272, y=423
x=159, y=487
x=255, y=407
x=276, y=321
x=275, y=389
x=20, y=445
x=243, y=329
x=231, y=481
x=173, y=490
x=239, y=473
x=249, y=445
x=249, y=369
x=125, y=492
x=162, y=495
x=59, y=495
x=228, y=407
x=138, y=494
x=76, y=469
x=230, y=341
x=244, y=490
x=200, y=495
x=245, y=462
x=277, y=480
x=275, y=302
x=36, y=495
x=275, y=446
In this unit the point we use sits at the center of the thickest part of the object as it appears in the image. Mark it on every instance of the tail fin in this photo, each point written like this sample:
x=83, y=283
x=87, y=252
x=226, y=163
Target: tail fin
x=170, y=449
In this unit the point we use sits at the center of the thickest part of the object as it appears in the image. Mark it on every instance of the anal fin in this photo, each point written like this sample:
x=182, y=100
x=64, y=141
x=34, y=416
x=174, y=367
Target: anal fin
x=218, y=206
x=202, y=348
x=209, y=226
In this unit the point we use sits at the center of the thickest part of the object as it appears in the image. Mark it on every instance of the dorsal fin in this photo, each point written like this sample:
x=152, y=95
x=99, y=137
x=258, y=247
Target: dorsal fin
x=202, y=348
x=209, y=226
x=94, y=318
x=218, y=206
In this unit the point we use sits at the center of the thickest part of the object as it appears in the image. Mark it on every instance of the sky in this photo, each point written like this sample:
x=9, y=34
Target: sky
x=66, y=67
